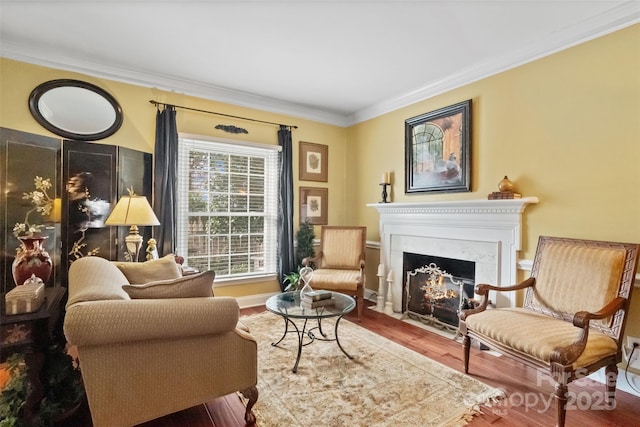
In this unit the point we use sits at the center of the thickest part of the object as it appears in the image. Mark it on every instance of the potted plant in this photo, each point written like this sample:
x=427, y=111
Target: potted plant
x=304, y=249
x=292, y=280
x=304, y=239
x=63, y=389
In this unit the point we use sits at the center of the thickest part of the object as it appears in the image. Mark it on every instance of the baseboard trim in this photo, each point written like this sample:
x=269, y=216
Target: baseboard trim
x=254, y=300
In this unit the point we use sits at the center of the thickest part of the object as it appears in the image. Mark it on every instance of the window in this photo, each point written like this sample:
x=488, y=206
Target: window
x=227, y=206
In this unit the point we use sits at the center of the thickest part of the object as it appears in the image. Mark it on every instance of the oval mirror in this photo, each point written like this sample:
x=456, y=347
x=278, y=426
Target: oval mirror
x=75, y=109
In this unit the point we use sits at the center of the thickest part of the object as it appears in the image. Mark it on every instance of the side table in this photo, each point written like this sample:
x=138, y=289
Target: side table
x=31, y=334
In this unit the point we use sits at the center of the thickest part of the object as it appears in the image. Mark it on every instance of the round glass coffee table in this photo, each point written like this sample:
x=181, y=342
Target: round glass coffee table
x=288, y=306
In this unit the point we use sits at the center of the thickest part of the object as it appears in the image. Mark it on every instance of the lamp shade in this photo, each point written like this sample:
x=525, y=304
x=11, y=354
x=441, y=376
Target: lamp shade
x=132, y=210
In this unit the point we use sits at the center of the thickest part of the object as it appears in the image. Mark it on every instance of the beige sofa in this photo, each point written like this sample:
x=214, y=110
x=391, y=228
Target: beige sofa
x=145, y=357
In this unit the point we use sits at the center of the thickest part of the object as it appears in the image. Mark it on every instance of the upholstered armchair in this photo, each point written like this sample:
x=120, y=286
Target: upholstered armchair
x=340, y=261
x=151, y=342
x=573, y=317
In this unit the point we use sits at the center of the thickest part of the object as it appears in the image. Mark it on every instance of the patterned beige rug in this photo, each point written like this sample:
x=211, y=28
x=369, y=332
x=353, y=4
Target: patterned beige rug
x=385, y=384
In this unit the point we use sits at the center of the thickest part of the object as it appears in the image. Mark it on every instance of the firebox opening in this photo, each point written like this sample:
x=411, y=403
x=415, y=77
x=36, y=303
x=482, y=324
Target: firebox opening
x=435, y=289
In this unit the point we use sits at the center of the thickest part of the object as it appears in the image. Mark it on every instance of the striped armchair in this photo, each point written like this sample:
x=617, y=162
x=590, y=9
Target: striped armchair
x=339, y=263
x=573, y=317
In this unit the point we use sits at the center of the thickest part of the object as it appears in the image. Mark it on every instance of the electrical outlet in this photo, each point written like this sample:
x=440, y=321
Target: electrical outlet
x=629, y=348
x=631, y=341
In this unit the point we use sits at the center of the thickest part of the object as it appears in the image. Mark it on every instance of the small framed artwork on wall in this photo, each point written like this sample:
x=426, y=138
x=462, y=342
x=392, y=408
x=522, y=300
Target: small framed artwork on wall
x=314, y=205
x=314, y=160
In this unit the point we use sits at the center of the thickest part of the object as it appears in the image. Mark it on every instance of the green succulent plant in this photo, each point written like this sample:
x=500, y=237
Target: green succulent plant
x=293, y=282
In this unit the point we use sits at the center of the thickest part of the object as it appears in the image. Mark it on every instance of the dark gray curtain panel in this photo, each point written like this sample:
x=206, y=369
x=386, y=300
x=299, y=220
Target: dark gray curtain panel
x=164, y=181
x=286, y=256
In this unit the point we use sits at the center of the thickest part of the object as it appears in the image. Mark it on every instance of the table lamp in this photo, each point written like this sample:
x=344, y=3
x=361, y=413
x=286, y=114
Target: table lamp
x=133, y=210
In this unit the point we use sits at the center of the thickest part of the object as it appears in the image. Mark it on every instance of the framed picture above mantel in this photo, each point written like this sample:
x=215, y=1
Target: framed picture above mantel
x=438, y=150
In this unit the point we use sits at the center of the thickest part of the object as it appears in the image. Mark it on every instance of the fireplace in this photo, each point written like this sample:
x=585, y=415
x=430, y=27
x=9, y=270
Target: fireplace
x=484, y=232
x=435, y=289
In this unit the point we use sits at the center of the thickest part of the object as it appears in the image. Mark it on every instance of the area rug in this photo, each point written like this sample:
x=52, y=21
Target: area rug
x=385, y=384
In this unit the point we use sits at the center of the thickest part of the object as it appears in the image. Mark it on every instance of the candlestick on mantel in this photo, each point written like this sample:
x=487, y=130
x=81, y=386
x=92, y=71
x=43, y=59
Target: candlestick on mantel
x=384, y=181
x=384, y=193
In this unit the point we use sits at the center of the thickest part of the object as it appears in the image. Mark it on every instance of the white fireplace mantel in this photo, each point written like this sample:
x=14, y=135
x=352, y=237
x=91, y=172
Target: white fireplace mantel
x=487, y=232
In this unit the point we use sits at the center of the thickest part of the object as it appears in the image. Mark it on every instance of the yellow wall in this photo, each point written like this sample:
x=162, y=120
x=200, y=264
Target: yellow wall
x=18, y=79
x=564, y=128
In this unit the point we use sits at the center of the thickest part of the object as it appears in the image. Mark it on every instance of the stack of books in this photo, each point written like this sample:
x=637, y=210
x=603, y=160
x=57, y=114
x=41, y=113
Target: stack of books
x=317, y=299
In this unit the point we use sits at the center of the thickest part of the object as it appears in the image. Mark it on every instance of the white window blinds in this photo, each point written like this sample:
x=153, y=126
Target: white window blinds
x=227, y=206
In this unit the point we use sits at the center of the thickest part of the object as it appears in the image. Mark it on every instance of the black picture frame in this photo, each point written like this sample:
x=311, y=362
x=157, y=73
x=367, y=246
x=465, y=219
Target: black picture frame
x=438, y=150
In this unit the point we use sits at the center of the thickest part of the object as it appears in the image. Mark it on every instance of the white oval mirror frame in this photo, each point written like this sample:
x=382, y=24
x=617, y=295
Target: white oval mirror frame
x=75, y=109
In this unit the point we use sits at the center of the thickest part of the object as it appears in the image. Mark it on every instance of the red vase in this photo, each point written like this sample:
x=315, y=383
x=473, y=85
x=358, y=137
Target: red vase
x=31, y=258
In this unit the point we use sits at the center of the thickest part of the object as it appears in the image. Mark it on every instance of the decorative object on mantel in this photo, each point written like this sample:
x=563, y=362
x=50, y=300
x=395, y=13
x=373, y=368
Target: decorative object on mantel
x=505, y=187
x=386, y=180
x=231, y=129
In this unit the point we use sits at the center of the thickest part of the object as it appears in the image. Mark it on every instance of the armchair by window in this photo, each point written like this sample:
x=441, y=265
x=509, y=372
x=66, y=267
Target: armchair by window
x=339, y=263
x=573, y=317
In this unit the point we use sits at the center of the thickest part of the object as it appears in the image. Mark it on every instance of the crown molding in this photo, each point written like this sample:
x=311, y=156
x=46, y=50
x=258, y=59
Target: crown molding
x=52, y=59
x=615, y=19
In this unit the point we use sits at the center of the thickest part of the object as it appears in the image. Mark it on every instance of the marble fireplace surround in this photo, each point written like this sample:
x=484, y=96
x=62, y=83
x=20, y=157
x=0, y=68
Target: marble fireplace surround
x=487, y=232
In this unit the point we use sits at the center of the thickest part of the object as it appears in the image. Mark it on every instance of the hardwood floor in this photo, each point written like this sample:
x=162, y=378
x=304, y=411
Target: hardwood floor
x=518, y=380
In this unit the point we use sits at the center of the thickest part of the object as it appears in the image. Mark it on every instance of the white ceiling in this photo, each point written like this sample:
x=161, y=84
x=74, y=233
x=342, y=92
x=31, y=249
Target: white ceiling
x=338, y=62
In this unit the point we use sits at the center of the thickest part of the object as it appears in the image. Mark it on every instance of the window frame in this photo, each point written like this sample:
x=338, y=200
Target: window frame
x=271, y=192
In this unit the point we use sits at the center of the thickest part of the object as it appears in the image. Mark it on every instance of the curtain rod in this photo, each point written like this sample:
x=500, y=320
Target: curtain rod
x=156, y=103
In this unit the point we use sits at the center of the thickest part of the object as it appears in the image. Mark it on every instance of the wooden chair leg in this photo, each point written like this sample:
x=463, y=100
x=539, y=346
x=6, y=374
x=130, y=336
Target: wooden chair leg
x=359, y=304
x=252, y=395
x=611, y=378
x=561, y=403
x=466, y=342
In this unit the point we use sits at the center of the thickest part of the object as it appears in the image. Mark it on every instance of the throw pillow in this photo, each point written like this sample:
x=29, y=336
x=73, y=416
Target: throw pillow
x=192, y=286
x=151, y=271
